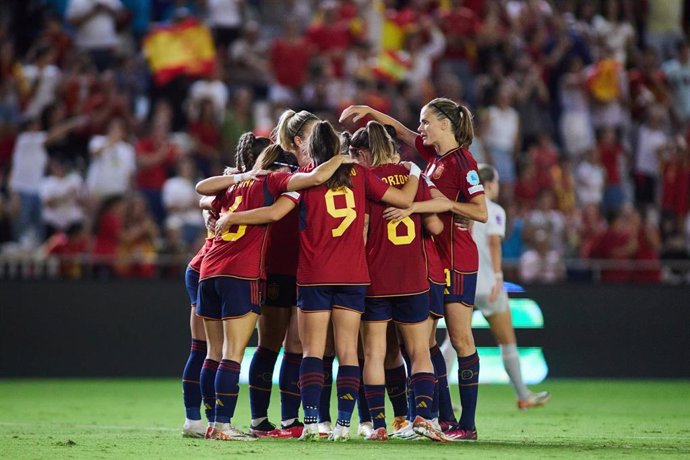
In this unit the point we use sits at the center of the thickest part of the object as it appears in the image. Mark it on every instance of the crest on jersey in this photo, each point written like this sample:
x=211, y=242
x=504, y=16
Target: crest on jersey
x=438, y=173
x=472, y=178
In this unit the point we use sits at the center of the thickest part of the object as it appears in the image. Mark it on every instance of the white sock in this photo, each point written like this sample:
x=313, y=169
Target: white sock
x=257, y=421
x=287, y=422
x=511, y=363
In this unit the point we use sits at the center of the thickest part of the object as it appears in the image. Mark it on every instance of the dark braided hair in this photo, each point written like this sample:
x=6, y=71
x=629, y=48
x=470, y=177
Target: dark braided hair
x=248, y=149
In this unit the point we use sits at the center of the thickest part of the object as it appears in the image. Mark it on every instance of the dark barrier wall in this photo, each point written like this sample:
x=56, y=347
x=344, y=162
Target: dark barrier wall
x=140, y=328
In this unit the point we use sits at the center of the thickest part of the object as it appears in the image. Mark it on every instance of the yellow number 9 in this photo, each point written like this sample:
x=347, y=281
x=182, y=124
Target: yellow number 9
x=393, y=234
x=241, y=229
x=348, y=213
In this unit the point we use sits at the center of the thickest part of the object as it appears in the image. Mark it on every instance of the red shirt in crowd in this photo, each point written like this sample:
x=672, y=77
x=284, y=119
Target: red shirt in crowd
x=610, y=155
x=290, y=62
x=153, y=177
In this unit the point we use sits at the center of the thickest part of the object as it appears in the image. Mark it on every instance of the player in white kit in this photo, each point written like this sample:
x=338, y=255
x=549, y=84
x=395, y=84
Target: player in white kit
x=491, y=298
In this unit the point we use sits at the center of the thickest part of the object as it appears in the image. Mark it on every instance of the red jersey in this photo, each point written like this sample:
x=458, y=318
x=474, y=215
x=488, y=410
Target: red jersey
x=154, y=177
x=436, y=272
x=283, y=246
x=331, y=224
x=239, y=252
x=395, y=252
x=455, y=174
x=195, y=263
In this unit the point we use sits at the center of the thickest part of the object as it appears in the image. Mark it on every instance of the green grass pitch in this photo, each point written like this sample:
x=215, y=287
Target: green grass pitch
x=141, y=419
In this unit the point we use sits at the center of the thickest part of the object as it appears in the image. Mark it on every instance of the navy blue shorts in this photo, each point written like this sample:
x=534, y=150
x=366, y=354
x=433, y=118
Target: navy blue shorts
x=281, y=291
x=405, y=309
x=436, y=296
x=462, y=288
x=327, y=297
x=224, y=297
x=191, y=282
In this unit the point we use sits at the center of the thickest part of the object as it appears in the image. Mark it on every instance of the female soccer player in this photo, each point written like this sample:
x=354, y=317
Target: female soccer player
x=399, y=286
x=332, y=274
x=230, y=290
x=444, y=133
x=492, y=299
x=249, y=147
x=278, y=321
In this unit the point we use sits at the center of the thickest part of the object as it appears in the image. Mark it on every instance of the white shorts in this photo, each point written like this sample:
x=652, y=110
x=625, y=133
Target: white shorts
x=501, y=303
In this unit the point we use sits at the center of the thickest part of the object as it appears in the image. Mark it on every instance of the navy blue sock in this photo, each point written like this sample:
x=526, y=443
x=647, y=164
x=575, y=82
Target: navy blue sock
x=362, y=406
x=227, y=390
x=376, y=399
x=207, y=381
x=191, y=376
x=396, y=385
x=468, y=377
x=261, y=381
x=347, y=385
x=325, y=402
x=445, y=405
x=410, y=390
x=423, y=383
x=289, y=386
x=311, y=383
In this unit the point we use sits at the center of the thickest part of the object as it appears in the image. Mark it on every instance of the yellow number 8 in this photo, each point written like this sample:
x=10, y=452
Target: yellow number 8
x=393, y=234
x=348, y=213
x=241, y=229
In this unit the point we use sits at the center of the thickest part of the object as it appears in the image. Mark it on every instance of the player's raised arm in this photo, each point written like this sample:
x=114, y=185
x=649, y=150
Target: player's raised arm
x=357, y=112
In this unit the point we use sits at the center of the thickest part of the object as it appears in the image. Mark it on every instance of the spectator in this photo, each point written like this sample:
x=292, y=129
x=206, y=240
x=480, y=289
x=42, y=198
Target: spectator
x=614, y=31
x=205, y=135
x=249, y=60
x=289, y=59
x=541, y=264
x=29, y=160
x=675, y=185
x=618, y=245
x=647, y=266
x=589, y=179
x=155, y=155
x=95, y=22
x=652, y=138
x=647, y=85
x=107, y=234
x=238, y=120
x=43, y=77
x=527, y=186
x=71, y=247
x=182, y=202
x=137, y=246
x=225, y=20
x=531, y=100
x=210, y=88
x=547, y=219
x=502, y=137
x=663, y=26
x=113, y=163
x=576, y=120
x=677, y=75
x=422, y=57
x=61, y=193
x=612, y=155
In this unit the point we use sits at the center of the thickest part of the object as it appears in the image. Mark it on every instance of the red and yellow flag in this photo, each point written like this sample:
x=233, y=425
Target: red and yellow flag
x=182, y=48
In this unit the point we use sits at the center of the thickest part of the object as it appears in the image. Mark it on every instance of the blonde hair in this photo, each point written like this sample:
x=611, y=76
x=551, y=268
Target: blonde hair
x=290, y=125
x=378, y=140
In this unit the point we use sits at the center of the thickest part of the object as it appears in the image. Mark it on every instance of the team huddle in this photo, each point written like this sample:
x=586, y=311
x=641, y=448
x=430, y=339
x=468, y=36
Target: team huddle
x=337, y=248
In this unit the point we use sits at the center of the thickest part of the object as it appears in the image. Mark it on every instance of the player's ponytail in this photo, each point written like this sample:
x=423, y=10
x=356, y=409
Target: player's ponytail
x=381, y=145
x=458, y=115
x=248, y=149
x=290, y=125
x=324, y=143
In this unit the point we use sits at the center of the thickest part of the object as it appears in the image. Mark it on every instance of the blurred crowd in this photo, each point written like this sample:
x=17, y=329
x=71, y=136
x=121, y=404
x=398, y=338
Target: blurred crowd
x=583, y=106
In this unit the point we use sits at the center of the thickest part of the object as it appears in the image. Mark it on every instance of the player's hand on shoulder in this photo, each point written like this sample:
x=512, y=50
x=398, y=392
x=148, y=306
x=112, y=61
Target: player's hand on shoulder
x=229, y=171
x=396, y=214
x=254, y=173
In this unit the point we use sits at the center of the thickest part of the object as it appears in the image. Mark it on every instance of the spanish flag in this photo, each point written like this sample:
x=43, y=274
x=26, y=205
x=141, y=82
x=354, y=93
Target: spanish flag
x=181, y=48
x=392, y=66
